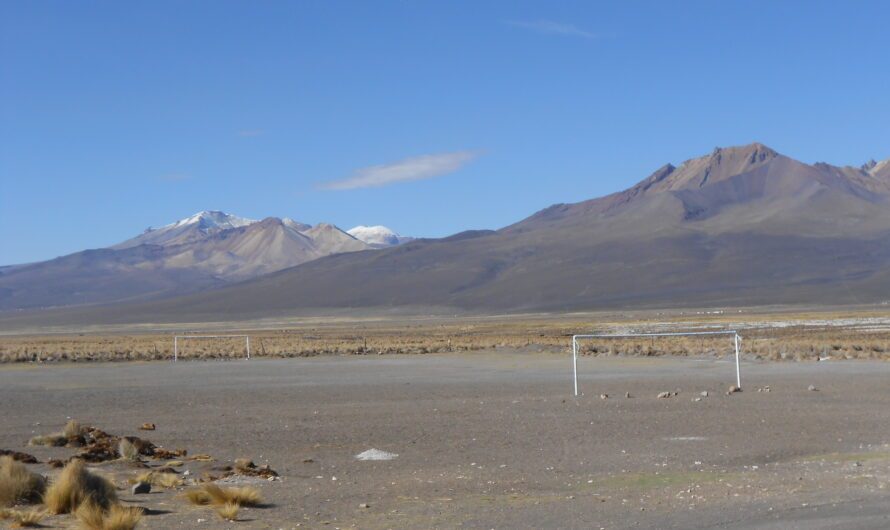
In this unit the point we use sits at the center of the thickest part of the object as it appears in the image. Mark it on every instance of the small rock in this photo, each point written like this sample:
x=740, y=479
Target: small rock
x=604, y=396
x=627, y=395
x=664, y=395
x=364, y=505
x=733, y=389
x=704, y=393
x=696, y=399
x=148, y=427
x=140, y=488
x=812, y=388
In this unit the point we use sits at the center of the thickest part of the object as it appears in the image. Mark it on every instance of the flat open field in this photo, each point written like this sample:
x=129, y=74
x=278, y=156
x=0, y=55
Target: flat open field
x=771, y=335
x=490, y=439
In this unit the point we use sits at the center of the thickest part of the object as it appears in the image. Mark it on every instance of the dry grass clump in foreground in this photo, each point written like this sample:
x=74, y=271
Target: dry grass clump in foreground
x=92, y=516
x=18, y=484
x=74, y=486
x=23, y=518
x=213, y=494
x=228, y=511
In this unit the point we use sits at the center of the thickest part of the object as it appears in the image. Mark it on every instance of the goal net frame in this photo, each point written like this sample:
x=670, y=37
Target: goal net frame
x=177, y=338
x=736, y=338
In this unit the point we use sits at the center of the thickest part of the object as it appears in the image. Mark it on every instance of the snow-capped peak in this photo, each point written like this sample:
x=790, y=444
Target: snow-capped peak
x=212, y=219
x=380, y=236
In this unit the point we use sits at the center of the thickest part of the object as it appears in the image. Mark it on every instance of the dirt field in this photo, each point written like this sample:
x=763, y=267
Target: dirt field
x=490, y=439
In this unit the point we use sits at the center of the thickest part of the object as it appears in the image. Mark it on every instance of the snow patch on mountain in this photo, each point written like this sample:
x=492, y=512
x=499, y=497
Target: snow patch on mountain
x=377, y=236
x=212, y=219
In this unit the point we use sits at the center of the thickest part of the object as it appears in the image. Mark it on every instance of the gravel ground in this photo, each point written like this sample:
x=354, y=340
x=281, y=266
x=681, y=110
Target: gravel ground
x=493, y=439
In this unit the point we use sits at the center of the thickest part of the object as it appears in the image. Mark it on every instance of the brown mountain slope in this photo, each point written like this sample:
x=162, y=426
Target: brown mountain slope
x=184, y=257
x=742, y=225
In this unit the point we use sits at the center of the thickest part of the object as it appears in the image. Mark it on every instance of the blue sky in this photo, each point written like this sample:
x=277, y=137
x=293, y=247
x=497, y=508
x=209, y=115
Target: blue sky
x=428, y=117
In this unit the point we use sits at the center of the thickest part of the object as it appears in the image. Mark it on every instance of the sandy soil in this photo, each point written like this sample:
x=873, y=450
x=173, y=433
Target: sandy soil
x=493, y=439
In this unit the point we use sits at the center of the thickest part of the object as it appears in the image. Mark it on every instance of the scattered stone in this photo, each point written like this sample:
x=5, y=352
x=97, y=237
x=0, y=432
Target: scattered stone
x=364, y=505
x=812, y=388
x=696, y=399
x=733, y=389
x=308, y=460
x=704, y=393
x=141, y=488
x=148, y=427
x=664, y=395
x=604, y=396
x=627, y=395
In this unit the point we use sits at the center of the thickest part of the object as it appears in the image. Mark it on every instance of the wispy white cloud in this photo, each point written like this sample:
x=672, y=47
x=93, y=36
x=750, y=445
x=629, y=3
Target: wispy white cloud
x=414, y=168
x=552, y=28
x=247, y=133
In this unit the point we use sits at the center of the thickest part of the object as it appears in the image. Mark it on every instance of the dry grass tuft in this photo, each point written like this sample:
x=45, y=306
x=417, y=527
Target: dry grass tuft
x=49, y=440
x=18, y=484
x=75, y=486
x=22, y=518
x=197, y=496
x=91, y=516
x=72, y=429
x=228, y=511
x=213, y=494
x=128, y=450
x=161, y=480
x=167, y=480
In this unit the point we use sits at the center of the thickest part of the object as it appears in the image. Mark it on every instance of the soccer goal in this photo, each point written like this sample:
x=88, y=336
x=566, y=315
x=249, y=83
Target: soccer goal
x=179, y=338
x=734, y=335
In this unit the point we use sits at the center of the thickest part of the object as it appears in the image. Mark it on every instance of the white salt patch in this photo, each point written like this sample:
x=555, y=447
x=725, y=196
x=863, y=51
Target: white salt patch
x=375, y=454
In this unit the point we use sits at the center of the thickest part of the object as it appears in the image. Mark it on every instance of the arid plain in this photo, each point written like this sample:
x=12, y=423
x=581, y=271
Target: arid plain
x=485, y=427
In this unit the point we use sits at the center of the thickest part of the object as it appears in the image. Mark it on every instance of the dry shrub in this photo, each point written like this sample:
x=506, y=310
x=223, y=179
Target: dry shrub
x=197, y=496
x=228, y=511
x=128, y=450
x=213, y=494
x=92, y=516
x=72, y=433
x=74, y=486
x=161, y=480
x=72, y=429
x=18, y=484
x=49, y=440
x=23, y=518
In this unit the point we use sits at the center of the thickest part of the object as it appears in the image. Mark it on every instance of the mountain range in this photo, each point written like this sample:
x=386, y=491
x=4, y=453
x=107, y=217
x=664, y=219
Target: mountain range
x=205, y=250
x=739, y=226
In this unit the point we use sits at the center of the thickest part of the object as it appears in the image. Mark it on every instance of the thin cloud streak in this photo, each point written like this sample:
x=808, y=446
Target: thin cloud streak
x=552, y=28
x=409, y=169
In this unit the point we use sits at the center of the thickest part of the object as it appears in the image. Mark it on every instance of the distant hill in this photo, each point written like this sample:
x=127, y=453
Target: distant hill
x=208, y=249
x=739, y=226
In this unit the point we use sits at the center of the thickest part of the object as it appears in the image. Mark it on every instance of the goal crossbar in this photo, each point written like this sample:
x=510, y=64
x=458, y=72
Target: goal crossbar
x=735, y=339
x=176, y=339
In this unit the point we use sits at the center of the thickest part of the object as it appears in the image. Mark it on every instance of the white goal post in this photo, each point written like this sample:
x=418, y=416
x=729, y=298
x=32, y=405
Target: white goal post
x=177, y=338
x=733, y=333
